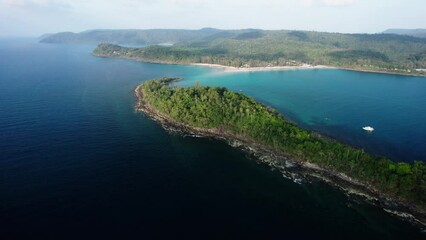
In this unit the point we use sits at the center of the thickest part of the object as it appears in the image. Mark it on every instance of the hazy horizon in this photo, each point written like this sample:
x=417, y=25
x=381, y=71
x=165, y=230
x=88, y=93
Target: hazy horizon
x=33, y=18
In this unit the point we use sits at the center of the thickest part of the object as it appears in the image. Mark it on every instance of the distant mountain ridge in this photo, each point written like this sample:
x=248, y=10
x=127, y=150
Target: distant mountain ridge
x=421, y=33
x=155, y=36
x=260, y=48
x=129, y=36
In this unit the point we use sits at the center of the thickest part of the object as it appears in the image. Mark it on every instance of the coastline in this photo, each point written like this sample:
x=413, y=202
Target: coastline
x=230, y=69
x=299, y=67
x=382, y=72
x=297, y=170
x=261, y=69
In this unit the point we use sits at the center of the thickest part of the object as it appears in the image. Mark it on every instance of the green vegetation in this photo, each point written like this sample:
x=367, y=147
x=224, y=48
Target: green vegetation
x=128, y=36
x=259, y=48
x=237, y=114
x=420, y=33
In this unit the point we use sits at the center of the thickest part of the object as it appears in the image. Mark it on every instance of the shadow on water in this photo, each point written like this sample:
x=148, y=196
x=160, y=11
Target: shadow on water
x=280, y=202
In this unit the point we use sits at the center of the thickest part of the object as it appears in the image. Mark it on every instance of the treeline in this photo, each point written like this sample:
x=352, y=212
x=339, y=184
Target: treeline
x=129, y=36
x=259, y=48
x=183, y=55
x=215, y=107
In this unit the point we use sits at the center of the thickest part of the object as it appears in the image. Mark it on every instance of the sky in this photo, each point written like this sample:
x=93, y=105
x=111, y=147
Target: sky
x=36, y=17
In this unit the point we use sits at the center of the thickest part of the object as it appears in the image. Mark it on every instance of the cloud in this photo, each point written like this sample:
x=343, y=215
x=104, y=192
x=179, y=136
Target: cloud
x=338, y=2
x=13, y=3
x=327, y=3
x=34, y=17
x=35, y=4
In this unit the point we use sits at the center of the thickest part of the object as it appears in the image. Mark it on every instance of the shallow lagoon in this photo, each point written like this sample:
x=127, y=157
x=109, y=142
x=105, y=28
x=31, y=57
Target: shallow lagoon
x=338, y=103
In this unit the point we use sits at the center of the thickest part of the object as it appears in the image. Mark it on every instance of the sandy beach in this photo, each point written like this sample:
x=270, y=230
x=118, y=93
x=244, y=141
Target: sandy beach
x=274, y=68
x=258, y=69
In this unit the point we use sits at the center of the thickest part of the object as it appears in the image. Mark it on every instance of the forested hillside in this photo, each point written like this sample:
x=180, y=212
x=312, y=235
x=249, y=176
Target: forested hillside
x=420, y=33
x=128, y=37
x=260, y=48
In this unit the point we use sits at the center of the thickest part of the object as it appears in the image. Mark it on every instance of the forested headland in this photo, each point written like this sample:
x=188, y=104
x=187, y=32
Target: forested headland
x=260, y=48
x=233, y=113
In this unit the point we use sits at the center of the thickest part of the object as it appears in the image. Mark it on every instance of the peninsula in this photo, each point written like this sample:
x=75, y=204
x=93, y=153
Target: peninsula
x=216, y=112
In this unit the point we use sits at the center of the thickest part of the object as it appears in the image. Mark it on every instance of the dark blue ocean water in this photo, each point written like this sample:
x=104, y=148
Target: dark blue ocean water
x=77, y=162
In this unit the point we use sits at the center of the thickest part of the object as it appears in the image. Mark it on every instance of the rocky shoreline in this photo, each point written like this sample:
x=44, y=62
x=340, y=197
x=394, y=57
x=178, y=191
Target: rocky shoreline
x=297, y=170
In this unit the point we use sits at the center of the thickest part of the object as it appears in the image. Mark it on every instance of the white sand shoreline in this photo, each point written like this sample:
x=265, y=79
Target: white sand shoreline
x=258, y=69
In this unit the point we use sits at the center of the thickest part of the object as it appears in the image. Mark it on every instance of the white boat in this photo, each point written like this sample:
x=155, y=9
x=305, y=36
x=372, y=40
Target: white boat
x=368, y=128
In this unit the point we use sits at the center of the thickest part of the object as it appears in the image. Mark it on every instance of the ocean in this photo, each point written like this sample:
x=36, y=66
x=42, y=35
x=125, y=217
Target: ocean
x=76, y=160
x=339, y=103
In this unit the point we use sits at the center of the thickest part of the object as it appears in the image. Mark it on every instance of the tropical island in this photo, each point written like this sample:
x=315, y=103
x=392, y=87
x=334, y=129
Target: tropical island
x=219, y=113
x=254, y=48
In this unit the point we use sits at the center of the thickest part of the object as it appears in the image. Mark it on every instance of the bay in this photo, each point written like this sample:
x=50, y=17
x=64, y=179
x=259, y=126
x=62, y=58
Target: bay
x=338, y=103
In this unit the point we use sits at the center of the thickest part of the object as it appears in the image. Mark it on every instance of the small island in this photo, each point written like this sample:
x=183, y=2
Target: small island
x=216, y=112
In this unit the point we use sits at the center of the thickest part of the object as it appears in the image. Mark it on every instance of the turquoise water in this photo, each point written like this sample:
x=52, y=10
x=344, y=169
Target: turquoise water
x=77, y=162
x=339, y=103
